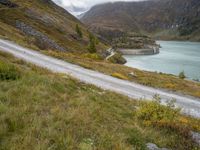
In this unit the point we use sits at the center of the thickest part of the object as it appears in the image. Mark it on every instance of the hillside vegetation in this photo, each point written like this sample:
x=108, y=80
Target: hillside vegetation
x=43, y=110
x=45, y=20
x=42, y=25
x=152, y=79
x=161, y=19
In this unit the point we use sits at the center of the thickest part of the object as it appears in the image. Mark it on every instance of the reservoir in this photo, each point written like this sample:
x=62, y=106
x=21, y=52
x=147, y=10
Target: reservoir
x=173, y=58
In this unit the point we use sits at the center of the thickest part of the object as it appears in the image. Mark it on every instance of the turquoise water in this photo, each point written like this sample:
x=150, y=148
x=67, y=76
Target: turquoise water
x=174, y=57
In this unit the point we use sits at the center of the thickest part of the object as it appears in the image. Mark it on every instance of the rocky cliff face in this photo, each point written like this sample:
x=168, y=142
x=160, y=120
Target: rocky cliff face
x=162, y=19
x=43, y=41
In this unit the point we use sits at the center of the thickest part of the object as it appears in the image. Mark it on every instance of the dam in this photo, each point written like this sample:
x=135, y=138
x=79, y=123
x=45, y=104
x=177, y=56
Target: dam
x=147, y=51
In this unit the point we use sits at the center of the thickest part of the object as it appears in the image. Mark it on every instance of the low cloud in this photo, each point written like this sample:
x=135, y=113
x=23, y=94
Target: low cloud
x=79, y=6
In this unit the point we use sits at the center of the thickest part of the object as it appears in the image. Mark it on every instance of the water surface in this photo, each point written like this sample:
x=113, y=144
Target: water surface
x=174, y=57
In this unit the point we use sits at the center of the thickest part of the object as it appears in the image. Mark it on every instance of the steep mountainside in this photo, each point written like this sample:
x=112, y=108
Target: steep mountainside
x=41, y=24
x=162, y=19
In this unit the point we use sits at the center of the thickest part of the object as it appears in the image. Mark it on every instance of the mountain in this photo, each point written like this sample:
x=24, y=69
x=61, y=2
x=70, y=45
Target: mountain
x=168, y=19
x=75, y=10
x=42, y=25
x=79, y=16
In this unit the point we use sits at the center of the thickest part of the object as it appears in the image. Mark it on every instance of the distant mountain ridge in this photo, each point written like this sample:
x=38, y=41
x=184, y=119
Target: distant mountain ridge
x=168, y=19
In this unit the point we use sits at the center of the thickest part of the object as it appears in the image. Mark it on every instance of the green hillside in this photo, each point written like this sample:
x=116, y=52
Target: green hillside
x=42, y=25
x=43, y=110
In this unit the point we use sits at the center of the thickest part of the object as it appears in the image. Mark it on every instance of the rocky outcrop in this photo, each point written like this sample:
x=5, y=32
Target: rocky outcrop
x=115, y=57
x=151, y=146
x=43, y=41
x=8, y=3
x=196, y=137
x=45, y=18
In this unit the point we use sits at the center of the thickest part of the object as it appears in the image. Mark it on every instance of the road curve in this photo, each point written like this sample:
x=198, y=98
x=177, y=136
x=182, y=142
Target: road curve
x=189, y=105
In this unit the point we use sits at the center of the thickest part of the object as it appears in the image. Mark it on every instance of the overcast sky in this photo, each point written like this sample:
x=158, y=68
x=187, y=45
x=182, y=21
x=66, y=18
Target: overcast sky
x=79, y=6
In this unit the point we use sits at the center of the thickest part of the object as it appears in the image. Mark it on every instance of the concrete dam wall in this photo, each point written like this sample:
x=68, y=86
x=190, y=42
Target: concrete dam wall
x=150, y=51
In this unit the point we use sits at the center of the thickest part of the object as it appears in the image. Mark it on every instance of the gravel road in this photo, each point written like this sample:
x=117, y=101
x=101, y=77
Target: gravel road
x=189, y=105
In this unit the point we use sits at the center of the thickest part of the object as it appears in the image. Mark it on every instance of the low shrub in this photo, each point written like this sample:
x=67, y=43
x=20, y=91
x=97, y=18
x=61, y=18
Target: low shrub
x=170, y=86
x=182, y=75
x=93, y=56
x=92, y=44
x=79, y=31
x=154, y=112
x=6, y=55
x=117, y=59
x=8, y=72
x=136, y=139
x=120, y=76
x=182, y=131
x=168, y=119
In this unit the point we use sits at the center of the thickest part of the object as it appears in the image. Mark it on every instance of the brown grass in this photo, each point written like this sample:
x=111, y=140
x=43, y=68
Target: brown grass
x=152, y=79
x=61, y=112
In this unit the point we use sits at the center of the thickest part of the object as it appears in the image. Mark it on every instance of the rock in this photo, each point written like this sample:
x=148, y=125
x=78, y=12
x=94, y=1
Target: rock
x=43, y=41
x=132, y=74
x=151, y=146
x=44, y=17
x=8, y=3
x=105, y=54
x=196, y=137
x=108, y=53
x=116, y=58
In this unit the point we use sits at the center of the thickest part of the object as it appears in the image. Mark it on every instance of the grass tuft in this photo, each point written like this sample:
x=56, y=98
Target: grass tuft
x=9, y=72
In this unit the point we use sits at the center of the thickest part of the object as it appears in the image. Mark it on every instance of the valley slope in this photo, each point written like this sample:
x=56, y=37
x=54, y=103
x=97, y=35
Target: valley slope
x=169, y=19
x=61, y=112
x=42, y=25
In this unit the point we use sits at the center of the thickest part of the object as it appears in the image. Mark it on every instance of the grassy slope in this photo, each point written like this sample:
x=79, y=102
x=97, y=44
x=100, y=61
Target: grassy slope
x=42, y=110
x=153, y=79
x=47, y=18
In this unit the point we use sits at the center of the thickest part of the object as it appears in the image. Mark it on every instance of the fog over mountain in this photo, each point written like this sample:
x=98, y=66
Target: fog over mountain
x=77, y=7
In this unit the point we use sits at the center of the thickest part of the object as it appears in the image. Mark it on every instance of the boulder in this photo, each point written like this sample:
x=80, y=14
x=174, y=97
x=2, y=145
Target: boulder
x=152, y=146
x=117, y=59
x=132, y=74
x=196, y=137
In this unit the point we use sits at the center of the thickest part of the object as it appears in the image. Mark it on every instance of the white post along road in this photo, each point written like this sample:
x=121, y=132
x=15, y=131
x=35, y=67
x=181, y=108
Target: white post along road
x=189, y=105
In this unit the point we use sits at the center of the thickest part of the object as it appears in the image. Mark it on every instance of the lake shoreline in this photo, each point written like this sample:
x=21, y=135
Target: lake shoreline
x=174, y=57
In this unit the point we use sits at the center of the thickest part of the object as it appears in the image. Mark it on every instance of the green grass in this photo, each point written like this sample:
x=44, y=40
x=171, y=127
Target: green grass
x=8, y=72
x=43, y=110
